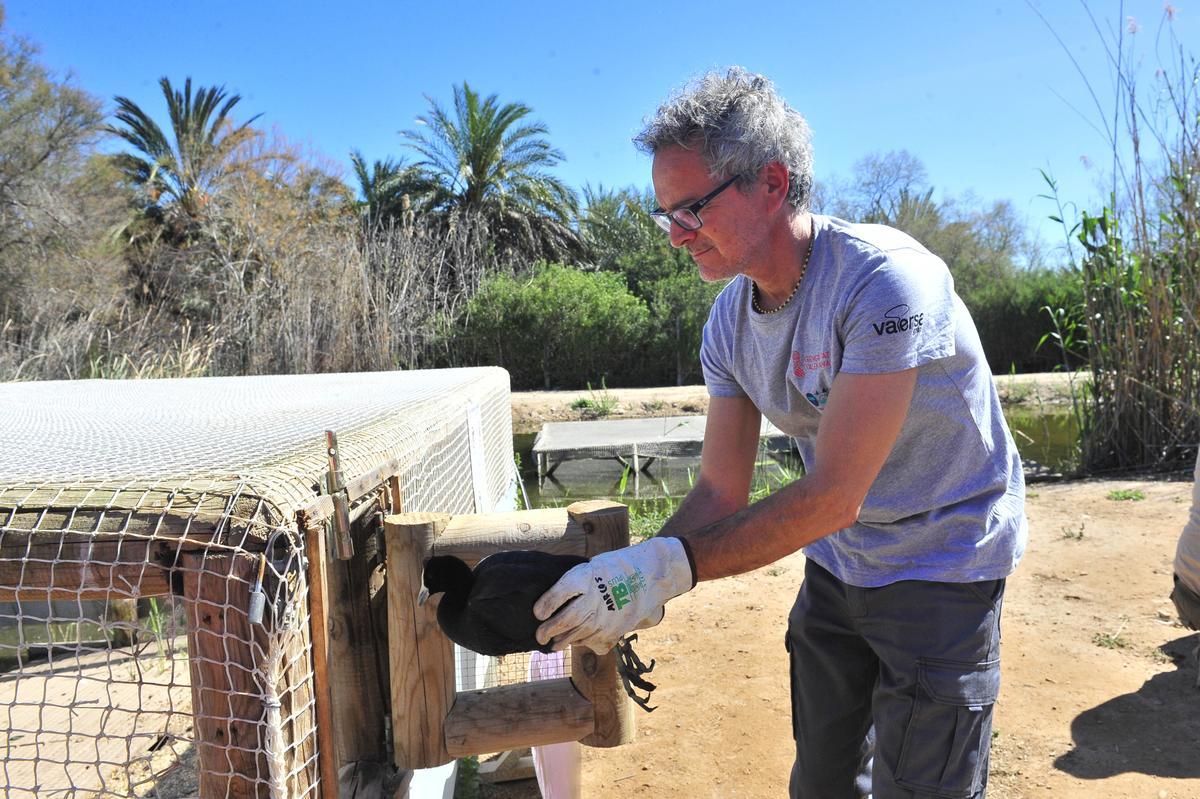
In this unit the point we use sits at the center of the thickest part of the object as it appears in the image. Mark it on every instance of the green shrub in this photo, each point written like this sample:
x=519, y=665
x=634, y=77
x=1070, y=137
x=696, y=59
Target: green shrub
x=558, y=328
x=1010, y=317
x=680, y=303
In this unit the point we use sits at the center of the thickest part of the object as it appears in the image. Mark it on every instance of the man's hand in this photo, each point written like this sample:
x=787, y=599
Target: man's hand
x=613, y=593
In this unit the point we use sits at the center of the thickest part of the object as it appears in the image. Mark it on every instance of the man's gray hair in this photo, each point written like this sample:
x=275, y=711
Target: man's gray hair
x=739, y=124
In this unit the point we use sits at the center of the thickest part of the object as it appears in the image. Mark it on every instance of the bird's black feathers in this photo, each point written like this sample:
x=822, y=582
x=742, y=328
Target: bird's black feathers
x=489, y=610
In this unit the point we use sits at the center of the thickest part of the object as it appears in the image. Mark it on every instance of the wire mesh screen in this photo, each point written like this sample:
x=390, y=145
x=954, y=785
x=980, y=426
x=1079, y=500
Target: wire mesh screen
x=477, y=671
x=140, y=523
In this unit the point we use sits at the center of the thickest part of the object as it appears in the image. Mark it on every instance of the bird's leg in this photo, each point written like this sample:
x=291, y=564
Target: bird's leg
x=631, y=668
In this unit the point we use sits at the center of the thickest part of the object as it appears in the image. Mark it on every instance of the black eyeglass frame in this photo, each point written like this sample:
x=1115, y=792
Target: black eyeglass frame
x=664, y=218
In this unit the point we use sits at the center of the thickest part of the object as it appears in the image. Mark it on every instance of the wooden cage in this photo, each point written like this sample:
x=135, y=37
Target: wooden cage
x=434, y=723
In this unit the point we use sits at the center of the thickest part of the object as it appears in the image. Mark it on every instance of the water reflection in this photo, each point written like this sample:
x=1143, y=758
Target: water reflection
x=1048, y=436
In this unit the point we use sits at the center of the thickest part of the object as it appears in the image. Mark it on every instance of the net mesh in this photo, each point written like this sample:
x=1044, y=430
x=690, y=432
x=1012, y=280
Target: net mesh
x=134, y=519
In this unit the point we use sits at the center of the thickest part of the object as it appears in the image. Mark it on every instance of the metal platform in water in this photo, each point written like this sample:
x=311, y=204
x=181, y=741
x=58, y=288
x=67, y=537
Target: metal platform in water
x=634, y=443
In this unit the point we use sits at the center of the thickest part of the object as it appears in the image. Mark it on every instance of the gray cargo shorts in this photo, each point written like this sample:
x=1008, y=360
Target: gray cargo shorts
x=893, y=687
x=1187, y=602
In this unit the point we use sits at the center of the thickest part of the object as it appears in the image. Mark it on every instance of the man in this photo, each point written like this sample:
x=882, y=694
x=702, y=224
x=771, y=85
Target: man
x=850, y=339
x=1187, y=565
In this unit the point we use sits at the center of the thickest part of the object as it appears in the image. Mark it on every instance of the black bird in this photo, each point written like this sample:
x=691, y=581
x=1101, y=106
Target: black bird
x=490, y=610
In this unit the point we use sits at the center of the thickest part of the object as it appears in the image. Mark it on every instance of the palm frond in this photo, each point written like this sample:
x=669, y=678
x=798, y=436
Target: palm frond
x=482, y=156
x=187, y=170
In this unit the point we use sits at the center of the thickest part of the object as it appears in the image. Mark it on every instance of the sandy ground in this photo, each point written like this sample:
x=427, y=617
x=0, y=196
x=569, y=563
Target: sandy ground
x=1098, y=697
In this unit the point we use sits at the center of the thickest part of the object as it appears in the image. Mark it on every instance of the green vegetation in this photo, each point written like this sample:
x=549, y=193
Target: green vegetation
x=557, y=326
x=488, y=162
x=466, y=782
x=209, y=247
x=182, y=174
x=1126, y=495
x=1137, y=325
x=648, y=516
x=1110, y=640
x=597, y=404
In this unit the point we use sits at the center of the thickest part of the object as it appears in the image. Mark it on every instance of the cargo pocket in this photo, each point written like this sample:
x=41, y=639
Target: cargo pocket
x=794, y=685
x=946, y=743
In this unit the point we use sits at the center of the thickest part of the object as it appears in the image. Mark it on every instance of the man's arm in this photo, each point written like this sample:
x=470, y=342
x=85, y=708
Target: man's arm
x=859, y=427
x=726, y=466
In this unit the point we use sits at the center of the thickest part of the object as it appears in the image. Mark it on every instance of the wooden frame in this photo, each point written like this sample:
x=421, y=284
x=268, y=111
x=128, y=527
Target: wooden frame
x=88, y=553
x=434, y=723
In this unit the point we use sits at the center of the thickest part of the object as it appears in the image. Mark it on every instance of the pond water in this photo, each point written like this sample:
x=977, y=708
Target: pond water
x=1045, y=436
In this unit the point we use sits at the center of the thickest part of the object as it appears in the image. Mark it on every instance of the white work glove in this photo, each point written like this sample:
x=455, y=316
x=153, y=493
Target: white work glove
x=614, y=593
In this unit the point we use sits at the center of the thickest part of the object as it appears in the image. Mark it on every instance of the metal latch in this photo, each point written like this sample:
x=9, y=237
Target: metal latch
x=335, y=486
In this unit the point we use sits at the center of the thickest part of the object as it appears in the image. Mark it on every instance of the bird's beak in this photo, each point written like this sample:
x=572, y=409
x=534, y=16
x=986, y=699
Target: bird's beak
x=422, y=597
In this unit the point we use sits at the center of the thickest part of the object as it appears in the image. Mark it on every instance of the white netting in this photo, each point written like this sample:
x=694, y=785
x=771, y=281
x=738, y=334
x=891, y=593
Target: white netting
x=134, y=518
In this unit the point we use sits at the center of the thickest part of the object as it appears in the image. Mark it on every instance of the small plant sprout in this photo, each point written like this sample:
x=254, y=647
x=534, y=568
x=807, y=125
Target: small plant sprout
x=597, y=404
x=1073, y=533
x=1126, y=495
x=1112, y=640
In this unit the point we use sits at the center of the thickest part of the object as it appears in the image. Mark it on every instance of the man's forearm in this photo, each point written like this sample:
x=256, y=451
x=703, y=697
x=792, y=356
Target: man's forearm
x=770, y=529
x=700, y=508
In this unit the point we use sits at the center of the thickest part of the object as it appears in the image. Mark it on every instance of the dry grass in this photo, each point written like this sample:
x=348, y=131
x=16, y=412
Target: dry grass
x=248, y=298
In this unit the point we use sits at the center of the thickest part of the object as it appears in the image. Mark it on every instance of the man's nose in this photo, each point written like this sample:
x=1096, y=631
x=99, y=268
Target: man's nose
x=679, y=236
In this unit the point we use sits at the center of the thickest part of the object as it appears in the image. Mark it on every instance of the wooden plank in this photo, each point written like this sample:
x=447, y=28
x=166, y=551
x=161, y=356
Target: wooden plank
x=474, y=537
x=321, y=508
x=421, y=658
x=296, y=717
x=606, y=527
x=353, y=663
x=58, y=523
x=327, y=755
x=528, y=714
x=395, y=494
x=81, y=569
x=225, y=653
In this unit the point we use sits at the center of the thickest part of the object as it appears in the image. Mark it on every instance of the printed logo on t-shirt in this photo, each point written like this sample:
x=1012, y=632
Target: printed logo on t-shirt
x=803, y=364
x=897, y=320
x=817, y=399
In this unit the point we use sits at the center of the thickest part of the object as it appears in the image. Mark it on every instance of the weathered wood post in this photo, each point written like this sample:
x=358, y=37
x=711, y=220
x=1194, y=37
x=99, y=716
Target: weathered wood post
x=433, y=722
x=606, y=527
x=354, y=677
x=226, y=656
x=422, y=659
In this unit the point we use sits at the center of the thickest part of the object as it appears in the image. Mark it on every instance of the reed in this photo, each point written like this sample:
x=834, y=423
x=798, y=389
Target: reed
x=242, y=299
x=1140, y=267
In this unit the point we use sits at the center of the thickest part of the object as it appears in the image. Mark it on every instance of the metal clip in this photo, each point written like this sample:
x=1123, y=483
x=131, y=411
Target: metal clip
x=258, y=599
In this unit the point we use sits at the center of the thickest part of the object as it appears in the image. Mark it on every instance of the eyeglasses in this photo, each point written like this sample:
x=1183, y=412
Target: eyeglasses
x=688, y=217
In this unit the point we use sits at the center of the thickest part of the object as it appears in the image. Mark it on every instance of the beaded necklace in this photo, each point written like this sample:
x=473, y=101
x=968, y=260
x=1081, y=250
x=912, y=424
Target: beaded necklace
x=754, y=303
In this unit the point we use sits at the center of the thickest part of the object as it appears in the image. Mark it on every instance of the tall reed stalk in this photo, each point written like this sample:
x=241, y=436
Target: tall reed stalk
x=1141, y=271
x=314, y=298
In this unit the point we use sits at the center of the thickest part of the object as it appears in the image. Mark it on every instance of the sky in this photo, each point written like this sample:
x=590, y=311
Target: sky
x=981, y=92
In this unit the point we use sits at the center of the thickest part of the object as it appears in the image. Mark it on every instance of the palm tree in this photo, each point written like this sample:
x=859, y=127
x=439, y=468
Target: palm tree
x=386, y=189
x=486, y=160
x=187, y=170
x=615, y=223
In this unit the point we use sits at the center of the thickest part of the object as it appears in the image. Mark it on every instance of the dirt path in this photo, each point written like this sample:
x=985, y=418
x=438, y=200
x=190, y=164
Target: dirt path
x=1098, y=699
x=531, y=408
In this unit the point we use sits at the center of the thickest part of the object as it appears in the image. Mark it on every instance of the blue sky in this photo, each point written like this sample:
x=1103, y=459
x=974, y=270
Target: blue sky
x=980, y=92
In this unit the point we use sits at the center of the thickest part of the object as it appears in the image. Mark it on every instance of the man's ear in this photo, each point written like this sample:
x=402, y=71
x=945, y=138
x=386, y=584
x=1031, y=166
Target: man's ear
x=776, y=183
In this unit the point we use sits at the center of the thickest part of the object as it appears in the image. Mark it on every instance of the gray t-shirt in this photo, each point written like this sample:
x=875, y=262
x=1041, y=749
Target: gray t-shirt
x=948, y=504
